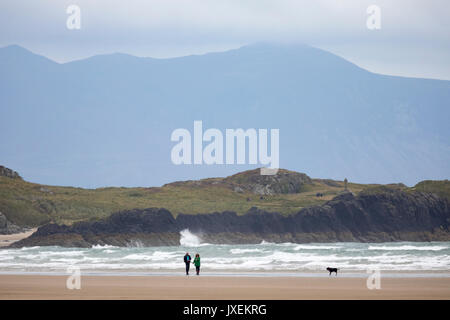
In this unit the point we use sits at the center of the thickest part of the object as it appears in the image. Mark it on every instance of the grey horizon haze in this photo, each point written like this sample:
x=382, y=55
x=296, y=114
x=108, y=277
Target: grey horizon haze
x=102, y=114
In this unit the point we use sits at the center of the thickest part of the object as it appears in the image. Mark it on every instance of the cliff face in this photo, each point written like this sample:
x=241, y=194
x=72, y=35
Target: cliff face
x=6, y=227
x=391, y=215
x=149, y=227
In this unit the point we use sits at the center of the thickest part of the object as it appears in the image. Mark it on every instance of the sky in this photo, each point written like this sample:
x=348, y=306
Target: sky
x=413, y=39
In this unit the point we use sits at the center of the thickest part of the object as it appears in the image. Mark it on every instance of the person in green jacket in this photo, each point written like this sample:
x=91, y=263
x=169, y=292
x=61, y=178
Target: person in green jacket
x=197, y=263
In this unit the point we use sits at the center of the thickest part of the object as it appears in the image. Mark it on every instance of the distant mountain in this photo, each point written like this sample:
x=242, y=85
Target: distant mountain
x=107, y=120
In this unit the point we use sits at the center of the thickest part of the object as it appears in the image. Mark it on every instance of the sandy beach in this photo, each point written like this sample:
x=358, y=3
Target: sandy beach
x=219, y=288
x=7, y=239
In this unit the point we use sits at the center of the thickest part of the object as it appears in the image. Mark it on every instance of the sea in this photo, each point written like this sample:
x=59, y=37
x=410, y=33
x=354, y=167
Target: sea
x=396, y=259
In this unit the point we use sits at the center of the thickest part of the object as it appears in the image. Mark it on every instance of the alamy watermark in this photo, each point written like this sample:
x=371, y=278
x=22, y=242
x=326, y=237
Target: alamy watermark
x=73, y=21
x=374, y=279
x=374, y=20
x=74, y=279
x=190, y=150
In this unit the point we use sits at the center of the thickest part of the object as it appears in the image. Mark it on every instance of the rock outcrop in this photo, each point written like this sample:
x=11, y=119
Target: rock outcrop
x=387, y=215
x=6, y=227
x=283, y=182
x=5, y=172
x=148, y=227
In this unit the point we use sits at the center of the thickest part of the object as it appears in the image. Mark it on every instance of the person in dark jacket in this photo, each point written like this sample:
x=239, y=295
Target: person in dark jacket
x=187, y=261
x=197, y=263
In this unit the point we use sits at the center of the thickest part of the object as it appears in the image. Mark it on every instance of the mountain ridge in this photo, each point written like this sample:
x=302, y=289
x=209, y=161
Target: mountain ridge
x=129, y=55
x=93, y=120
x=22, y=50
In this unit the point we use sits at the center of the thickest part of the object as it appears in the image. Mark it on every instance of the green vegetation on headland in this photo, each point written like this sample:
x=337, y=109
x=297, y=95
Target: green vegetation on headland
x=439, y=187
x=31, y=204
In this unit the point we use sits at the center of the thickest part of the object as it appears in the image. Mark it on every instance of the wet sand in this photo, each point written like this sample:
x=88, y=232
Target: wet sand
x=220, y=288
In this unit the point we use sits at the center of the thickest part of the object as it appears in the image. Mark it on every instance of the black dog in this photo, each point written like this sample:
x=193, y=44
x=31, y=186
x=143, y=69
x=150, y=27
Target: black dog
x=332, y=270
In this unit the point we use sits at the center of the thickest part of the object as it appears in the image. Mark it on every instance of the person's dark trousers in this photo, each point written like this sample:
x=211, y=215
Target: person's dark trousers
x=198, y=270
x=187, y=268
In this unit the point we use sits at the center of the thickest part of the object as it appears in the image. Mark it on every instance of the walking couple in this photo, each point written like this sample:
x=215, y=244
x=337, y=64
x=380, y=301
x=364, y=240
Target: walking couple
x=187, y=261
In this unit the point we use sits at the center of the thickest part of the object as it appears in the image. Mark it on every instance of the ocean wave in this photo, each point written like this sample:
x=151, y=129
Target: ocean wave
x=155, y=256
x=188, y=239
x=408, y=247
x=266, y=257
x=315, y=247
x=135, y=244
x=240, y=251
x=101, y=247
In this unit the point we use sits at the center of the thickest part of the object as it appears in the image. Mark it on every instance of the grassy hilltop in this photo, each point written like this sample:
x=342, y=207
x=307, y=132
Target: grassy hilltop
x=31, y=204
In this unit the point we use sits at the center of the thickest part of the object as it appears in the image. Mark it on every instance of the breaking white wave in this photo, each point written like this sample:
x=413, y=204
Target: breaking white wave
x=101, y=247
x=240, y=251
x=135, y=244
x=409, y=247
x=188, y=239
x=315, y=247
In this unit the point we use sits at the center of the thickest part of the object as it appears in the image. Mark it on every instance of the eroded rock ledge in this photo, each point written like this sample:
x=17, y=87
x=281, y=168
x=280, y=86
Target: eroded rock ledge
x=6, y=227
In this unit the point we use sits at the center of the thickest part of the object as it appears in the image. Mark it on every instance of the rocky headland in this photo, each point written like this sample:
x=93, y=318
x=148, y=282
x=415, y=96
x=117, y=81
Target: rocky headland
x=388, y=214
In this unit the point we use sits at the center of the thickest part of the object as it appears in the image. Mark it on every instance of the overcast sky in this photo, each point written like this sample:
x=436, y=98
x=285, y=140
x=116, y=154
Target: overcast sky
x=413, y=39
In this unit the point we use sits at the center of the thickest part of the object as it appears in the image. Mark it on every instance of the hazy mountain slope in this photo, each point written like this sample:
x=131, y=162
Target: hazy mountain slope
x=107, y=120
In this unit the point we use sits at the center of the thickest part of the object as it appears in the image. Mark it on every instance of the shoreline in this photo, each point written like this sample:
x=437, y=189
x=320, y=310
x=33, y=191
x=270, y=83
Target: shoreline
x=250, y=274
x=24, y=287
